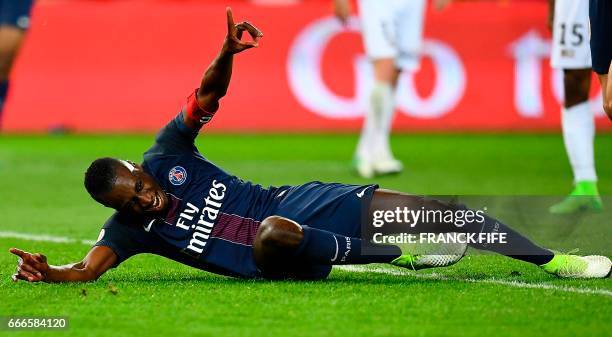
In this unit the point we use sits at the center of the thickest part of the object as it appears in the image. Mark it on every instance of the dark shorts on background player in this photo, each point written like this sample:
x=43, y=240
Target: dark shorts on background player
x=600, y=15
x=15, y=13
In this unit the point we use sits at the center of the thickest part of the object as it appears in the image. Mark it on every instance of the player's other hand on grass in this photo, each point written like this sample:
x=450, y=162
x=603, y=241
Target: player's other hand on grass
x=30, y=267
x=233, y=42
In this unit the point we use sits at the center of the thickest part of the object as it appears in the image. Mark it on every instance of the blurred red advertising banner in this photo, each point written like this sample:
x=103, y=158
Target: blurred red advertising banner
x=98, y=66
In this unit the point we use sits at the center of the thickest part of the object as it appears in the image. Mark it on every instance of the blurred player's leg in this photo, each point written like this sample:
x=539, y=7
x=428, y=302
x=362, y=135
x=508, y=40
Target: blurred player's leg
x=578, y=123
x=374, y=154
x=392, y=34
x=14, y=20
x=378, y=34
x=571, y=53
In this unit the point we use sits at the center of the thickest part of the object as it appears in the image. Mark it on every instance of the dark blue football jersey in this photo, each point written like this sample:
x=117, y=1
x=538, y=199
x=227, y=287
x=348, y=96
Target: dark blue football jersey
x=213, y=216
x=202, y=195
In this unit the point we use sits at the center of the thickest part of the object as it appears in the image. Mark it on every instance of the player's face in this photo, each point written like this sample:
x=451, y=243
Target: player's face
x=135, y=191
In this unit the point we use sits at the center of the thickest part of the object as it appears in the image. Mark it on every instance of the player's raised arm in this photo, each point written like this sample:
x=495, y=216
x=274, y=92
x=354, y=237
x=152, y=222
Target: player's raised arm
x=217, y=77
x=34, y=267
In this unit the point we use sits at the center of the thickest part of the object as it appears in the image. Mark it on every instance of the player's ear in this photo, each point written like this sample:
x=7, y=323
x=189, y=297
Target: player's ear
x=138, y=166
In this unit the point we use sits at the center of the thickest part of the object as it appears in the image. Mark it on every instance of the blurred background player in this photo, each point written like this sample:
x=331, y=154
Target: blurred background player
x=571, y=53
x=600, y=15
x=392, y=33
x=14, y=20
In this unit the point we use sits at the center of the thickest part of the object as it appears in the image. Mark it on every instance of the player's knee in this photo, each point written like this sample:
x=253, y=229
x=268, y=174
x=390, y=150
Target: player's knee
x=279, y=232
x=385, y=70
x=608, y=107
x=577, y=83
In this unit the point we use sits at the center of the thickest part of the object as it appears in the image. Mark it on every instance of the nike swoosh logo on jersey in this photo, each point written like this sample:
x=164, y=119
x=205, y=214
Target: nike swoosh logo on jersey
x=360, y=194
x=148, y=227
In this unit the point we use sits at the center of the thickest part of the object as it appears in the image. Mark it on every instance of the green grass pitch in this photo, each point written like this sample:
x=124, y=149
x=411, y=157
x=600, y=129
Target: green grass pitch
x=41, y=193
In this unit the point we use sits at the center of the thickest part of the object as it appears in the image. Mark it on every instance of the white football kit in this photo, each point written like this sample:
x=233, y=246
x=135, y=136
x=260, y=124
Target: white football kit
x=393, y=29
x=570, y=44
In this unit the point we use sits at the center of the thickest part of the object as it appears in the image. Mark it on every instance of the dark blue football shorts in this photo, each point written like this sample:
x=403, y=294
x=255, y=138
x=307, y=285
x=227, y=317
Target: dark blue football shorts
x=15, y=13
x=337, y=208
x=600, y=15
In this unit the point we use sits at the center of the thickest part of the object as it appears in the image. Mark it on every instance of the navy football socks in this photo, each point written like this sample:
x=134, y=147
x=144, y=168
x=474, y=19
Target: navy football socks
x=327, y=248
x=518, y=246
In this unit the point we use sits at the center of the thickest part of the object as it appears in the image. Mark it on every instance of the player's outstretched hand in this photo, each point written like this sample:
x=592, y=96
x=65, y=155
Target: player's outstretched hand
x=30, y=267
x=233, y=42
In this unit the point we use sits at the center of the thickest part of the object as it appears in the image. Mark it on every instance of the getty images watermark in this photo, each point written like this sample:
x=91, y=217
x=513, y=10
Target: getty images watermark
x=399, y=226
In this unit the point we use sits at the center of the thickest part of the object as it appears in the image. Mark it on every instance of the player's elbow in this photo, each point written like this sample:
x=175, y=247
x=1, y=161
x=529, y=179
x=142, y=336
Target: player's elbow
x=86, y=274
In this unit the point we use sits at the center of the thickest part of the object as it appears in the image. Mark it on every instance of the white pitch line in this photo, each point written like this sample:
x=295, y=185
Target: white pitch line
x=355, y=268
x=438, y=277
x=43, y=238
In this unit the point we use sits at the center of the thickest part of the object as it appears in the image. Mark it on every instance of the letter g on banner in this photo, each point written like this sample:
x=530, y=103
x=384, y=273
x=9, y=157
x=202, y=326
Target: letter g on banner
x=305, y=76
x=304, y=70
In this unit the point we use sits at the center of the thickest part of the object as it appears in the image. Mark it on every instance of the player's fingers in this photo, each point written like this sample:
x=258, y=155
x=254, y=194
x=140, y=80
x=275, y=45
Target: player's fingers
x=239, y=33
x=17, y=252
x=242, y=45
x=29, y=264
x=40, y=258
x=31, y=277
x=253, y=31
x=16, y=277
x=28, y=259
x=247, y=44
x=30, y=269
x=34, y=258
x=230, y=19
x=28, y=276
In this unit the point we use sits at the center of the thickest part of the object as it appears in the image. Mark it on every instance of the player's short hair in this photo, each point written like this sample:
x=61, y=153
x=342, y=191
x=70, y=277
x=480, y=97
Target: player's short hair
x=100, y=177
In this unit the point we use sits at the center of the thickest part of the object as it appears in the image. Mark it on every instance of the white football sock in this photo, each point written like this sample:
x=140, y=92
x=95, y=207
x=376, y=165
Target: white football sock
x=374, y=140
x=382, y=101
x=365, y=146
x=578, y=125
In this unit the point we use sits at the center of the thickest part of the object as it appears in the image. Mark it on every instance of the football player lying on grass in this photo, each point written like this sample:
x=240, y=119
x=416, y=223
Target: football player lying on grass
x=179, y=205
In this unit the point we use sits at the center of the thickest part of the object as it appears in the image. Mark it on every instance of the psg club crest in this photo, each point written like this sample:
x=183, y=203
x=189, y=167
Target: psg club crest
x=177, y=175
